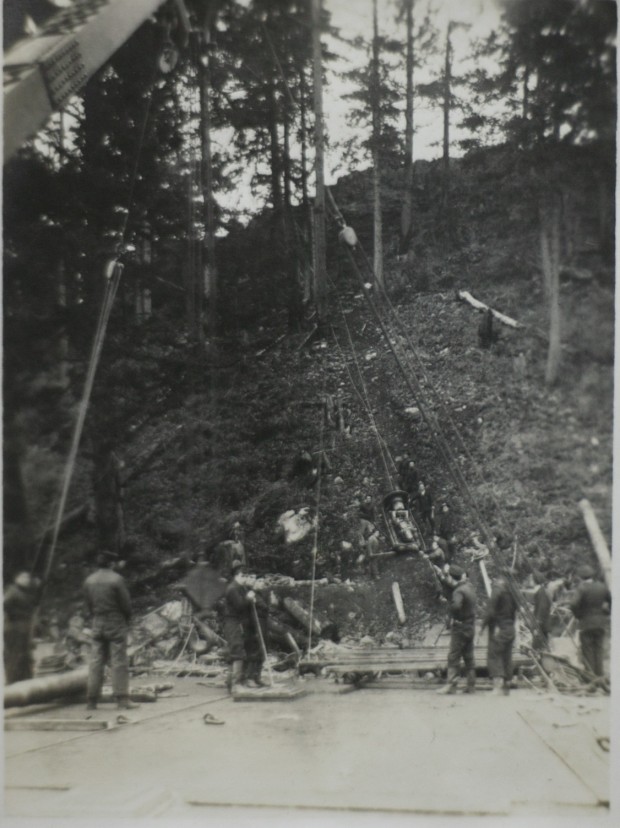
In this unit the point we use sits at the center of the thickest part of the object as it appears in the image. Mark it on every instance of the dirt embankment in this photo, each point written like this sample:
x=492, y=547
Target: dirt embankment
x=227, y=452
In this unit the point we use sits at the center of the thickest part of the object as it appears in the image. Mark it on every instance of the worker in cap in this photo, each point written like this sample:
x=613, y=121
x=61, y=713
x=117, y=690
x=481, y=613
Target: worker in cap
x=237, y=617
x=591, y=606
x=462, y=628
x=500, y=618
x=107, y=600
x=20, y=602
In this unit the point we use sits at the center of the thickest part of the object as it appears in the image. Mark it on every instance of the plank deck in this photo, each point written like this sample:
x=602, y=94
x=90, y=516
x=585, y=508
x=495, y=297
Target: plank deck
x=55, y=724
x=575, y=743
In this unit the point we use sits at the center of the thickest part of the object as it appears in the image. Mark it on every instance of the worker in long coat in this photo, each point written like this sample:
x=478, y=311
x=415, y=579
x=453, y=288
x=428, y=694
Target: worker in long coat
x=462, y=629
x=500, y=620
x=20, y=602
x=591, y=606
x=425, y=506
x=107, y=599
x=237, y=617
x=255, y=636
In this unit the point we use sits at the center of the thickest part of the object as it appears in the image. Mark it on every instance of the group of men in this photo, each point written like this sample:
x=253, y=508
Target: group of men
x=108, y=602
x=590, y=605
x=245, y=617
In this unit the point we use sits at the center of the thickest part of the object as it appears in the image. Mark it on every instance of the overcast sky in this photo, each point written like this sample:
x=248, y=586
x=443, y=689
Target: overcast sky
x=354, y=17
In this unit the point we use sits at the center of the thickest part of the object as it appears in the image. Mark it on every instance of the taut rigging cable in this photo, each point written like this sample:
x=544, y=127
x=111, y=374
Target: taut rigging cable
x=113, y=274
x=437, y=434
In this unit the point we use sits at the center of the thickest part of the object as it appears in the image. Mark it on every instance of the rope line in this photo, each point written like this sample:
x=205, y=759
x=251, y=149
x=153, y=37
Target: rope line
x=440, y=440
x=379, y=438
x=384, y=452
x=110, y=294
x=111, y=288
x=317, y=514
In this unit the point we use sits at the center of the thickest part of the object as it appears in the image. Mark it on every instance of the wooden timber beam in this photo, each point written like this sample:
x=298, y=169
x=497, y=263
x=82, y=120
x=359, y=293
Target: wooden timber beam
x=598, y=539
x=45, y=689
x=465, y=296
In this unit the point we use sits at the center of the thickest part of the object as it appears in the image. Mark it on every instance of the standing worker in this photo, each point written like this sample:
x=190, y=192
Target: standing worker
x=20, y=602
x=543, y=605
x=462, y=628
x=500, y=619
x=237, y=618
x=107, y=599
x=591, y=606
x=425, y=506
x=255, y=656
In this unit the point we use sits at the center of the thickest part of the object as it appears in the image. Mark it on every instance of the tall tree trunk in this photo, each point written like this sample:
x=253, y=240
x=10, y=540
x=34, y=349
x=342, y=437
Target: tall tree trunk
x=407, y=210
x=208, y=278
x=525, y=100
x=320, y=265
x=550, y=254
x=292, y=258
x=305, y=199
x=446, y=119
x=189, y=281
x=274, y=149
x=376, y=161
x=303, y=139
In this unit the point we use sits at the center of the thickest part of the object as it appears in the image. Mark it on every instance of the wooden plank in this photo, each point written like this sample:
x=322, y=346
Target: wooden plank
x=575, y=744
x=398, y=601
x=15, y=712
x=465, y=296
x=55, y=724
x=46, y=689
x=598, y=539
x=268, y=694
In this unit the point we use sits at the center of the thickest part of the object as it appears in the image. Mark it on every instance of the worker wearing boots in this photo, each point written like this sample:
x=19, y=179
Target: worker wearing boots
x=20, y=603
x=107, y=599
x=255, y=657
x=462, y=628
x=237, y=618
x=591, y=606
x=425, y=506
x=500, y=619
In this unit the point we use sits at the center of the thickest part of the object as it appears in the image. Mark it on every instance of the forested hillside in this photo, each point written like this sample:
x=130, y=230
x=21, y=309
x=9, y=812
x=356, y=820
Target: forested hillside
x=218, y=356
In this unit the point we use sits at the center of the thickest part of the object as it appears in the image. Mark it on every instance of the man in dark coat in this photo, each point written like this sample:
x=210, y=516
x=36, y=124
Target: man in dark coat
x=107, y=599
x=402, y=468
x=237, y=618
x=462, y=629
x=543, y=605
x=425, y=506
x=591, y=606
x=500, y=619
x=486, y=335
x=411, y=478
x=542, y=614
x=255, y=656
x=20, y=603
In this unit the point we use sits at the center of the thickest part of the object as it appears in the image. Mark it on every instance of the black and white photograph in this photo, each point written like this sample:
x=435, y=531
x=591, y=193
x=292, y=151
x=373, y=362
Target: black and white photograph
x=308, y=357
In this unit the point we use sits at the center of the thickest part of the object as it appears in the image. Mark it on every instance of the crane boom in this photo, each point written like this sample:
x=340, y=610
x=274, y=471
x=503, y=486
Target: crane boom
x=42, y=72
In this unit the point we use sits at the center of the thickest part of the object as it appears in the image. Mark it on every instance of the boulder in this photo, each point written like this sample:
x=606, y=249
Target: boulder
x=295, y=525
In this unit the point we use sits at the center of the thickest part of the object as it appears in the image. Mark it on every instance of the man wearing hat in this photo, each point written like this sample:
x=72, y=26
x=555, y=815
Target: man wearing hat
x=500, y=619
x=107, y=599
x=591, y=606
x=462, y=628
x=237, y=618
x=20, y=602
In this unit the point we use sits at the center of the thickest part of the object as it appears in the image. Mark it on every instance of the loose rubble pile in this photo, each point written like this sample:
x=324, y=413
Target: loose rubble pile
x=176, y=640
